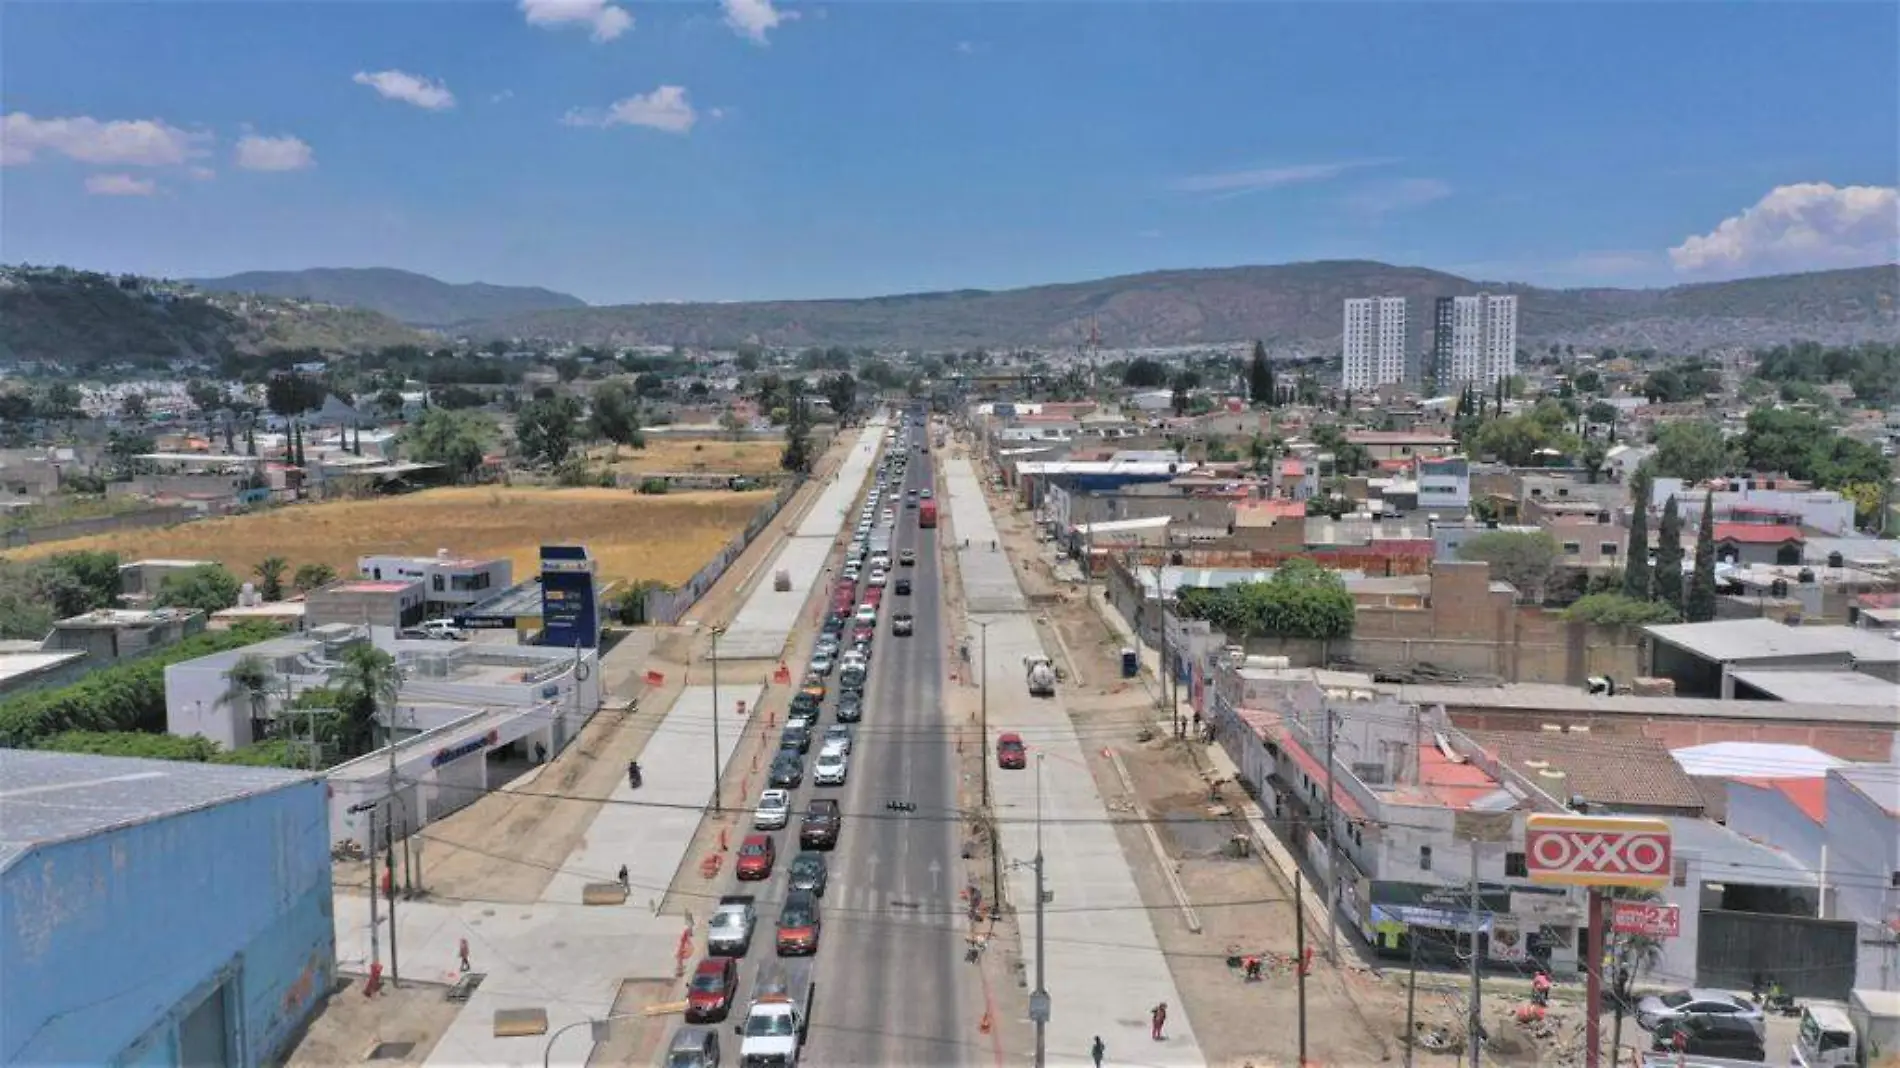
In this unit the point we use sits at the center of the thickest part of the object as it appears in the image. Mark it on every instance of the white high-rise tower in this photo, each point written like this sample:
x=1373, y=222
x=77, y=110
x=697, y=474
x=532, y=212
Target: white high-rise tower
x=1474, y=341
x=1374, y=347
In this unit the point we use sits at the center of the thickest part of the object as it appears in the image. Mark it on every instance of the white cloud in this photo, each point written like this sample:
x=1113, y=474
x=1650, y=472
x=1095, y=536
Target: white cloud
x=408, y=88
x=135, y=142
x=203, y=174
x=255, y=153
x=1253, y=181
x=119, y=185
x=665, y=108
x=1399, y=195
x=505, y=94
x=966, y=48
x=607, y=20
x=753, y=19
x=1803, y=227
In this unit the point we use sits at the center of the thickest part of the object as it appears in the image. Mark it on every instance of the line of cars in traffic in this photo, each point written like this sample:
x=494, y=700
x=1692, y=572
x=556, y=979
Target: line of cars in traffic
x=773, y=1031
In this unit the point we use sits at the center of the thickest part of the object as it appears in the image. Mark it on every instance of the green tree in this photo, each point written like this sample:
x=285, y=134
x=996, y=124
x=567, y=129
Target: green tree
x=270, y=577
x=1144, y=373
x=1260, y=377
x=78, y=582
x=205, y=396
x=288, y=393
x=1693, y=450
x=1668, y=584
x=208, y=588
x=841, y=390
x=1617, y=610
x=1301, y=600
x=613, y=414
x=313, y=575
x=133, y=406
x=1588, y=381
x=1184, y=384
x=366, y=683
x=544, y=431
x=1699, y=605
x=797, y=455
x=456, y=440
x=1525, y=559
x=1636, y=558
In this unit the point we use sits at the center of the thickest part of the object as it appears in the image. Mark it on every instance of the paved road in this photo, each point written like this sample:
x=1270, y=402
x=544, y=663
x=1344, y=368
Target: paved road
x=895, y=989
x=892, y=987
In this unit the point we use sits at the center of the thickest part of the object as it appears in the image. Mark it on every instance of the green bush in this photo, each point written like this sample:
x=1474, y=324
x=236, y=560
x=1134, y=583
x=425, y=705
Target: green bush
x=1619, y=610
x=123, y=697
x=653, y=487
x=1301, y=600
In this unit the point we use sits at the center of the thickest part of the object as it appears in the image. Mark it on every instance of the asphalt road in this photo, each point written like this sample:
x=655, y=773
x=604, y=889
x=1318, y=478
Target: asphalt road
x=891, y=984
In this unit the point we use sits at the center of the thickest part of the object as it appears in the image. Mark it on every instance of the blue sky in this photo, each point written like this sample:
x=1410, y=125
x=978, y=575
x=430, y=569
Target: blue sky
x=631, y=151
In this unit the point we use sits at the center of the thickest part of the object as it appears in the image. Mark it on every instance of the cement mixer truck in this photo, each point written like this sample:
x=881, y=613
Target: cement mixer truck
x=1041, y=676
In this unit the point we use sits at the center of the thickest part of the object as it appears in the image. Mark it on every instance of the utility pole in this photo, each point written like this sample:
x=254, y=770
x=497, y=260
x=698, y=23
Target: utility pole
x=1474, y=1039
x=1299, y=958
x=716, y=632
x=1411, y=994
x=983, y=748
x=389, y=875
x=1039, y=1000
x=1332, y=849
x=375, y=939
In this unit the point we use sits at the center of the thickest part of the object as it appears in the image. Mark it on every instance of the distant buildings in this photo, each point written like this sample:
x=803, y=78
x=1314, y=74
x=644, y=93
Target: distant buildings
x=1474, y=340
x=1374, y=348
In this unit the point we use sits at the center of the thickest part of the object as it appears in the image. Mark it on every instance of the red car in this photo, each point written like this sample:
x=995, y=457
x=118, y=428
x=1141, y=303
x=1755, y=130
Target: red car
x=1010, y=752
x=864, y=632
x=756, y=856
x=709, y=995
x=874, y=596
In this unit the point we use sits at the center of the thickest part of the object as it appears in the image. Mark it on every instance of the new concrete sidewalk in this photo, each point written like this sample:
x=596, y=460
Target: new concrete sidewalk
x=1104, y=969
x=765, y=622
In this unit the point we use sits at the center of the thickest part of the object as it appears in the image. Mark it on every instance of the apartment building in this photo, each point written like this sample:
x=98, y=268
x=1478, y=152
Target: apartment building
x=1474, y=340
x=450, y=583
x=1374, y=344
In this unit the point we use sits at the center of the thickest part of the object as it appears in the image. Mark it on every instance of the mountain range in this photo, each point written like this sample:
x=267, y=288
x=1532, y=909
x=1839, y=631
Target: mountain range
x=1293, y=308
x=407, y=297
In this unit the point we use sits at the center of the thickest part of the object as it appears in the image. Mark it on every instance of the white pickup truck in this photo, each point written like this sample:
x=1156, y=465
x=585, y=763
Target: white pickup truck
x=773, y=1034
x=729, y=931
x=1040, y=675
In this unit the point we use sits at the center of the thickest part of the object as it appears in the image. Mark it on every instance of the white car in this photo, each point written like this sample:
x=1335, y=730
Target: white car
x=879, y=578
x=775, y=809
x=867, y=613
x=838, y=736
x=821, y=664
x=831, y=767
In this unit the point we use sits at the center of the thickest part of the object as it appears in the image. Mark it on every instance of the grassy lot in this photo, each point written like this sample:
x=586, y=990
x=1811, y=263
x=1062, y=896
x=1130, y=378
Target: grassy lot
x=697, y=455
x=632, y=537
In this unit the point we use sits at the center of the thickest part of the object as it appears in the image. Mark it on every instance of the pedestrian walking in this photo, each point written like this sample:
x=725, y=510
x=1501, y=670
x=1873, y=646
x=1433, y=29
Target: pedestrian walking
x=462, y=952
x=1159, y=1018
x=624, y=883
x=1097, y=1050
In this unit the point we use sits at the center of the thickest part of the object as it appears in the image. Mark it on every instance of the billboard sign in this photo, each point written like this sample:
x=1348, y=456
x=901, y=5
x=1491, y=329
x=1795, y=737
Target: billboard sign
x=1568, y=850
x=570, y=616
x=1651, y=919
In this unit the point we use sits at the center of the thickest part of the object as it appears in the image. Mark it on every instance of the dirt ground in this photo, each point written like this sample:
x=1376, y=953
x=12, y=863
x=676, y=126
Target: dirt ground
x=677, y=456
x=631, y=536
x=349, y=1027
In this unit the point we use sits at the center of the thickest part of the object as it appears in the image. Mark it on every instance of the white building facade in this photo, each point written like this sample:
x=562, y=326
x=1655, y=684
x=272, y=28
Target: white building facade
x=1374, y=342
x=1474, y=340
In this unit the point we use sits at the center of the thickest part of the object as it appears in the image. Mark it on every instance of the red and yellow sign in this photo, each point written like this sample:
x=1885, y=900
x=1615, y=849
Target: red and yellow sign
x=1597, y=850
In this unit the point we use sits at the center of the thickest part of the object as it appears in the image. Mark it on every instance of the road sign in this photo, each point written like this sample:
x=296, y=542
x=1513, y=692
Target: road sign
x=1647, y=918
x=1597, y=850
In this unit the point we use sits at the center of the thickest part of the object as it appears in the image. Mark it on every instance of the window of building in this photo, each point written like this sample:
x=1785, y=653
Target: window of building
x=437, y=584
x=1608, y=548
x=1425, y=858
x=1571, y=548
x=1514, y=866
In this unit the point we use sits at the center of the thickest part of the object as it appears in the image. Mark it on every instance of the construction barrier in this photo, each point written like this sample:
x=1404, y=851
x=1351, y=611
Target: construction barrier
x=783, y=676
x=709, y=867
x=722, y=839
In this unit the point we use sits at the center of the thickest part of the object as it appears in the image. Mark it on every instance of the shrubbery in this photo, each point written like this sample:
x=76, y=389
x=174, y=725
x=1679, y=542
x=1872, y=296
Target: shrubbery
x=1301, y=600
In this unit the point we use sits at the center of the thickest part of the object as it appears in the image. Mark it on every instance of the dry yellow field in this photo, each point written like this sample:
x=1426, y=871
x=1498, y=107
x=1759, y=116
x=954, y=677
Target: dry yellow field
x=692, y=456
x=632, y=537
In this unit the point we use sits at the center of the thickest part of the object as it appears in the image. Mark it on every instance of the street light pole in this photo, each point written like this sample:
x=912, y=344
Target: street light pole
x=716, y=632
x=983, y=682
x=1039, y=1000
x=602, y=1033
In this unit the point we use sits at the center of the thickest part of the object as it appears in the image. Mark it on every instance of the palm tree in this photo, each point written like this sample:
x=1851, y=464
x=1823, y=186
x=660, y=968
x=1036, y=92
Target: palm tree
x=1637, y=952
x=248, y=685
x=366, y=683
x=311, y=576
x=270, y=576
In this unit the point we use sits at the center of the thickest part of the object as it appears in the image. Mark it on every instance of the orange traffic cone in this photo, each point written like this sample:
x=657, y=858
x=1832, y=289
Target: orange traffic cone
x=984, y=1026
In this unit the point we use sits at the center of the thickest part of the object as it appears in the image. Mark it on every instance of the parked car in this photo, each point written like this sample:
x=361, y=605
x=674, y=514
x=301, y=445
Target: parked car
x=850, y=707
x=1731, y=1037
x=831, y=768
x=820, y=664
x=839, y=736
x=787, y=771
x=799, y=924
x=775, y=809
x=1683, y=1004
x=693, y=1047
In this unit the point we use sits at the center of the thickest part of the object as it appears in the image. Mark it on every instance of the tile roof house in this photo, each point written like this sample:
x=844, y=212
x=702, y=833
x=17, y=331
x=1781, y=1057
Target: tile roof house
x=1624, y=773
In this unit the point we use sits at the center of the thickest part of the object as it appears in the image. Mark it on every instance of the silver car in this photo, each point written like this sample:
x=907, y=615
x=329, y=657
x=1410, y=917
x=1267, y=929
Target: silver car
x=1685, y=1004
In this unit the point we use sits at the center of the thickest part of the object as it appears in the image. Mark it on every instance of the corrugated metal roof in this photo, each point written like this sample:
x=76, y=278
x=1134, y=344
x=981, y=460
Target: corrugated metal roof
x=1729, y=640
x=58, y=797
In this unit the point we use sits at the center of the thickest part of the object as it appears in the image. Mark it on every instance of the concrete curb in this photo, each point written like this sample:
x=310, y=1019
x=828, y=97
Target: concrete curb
x=1191, y=917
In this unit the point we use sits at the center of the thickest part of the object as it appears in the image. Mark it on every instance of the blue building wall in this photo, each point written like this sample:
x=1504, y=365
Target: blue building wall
x=106, y=942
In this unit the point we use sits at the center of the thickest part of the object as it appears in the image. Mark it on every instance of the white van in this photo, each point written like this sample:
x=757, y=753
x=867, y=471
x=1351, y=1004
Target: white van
x=1826, y=1039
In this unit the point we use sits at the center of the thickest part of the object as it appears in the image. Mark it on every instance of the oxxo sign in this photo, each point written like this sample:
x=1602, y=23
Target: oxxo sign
x=1597, y=851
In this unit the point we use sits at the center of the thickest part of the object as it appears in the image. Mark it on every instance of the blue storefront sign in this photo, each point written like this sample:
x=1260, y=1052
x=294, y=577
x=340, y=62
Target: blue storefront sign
x=570, y=616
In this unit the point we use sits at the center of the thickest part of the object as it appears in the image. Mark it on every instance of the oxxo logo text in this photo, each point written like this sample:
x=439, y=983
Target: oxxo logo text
x=1597, y=851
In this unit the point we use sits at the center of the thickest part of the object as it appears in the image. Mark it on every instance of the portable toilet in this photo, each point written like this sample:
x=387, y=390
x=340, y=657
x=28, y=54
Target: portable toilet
x=1131, y=663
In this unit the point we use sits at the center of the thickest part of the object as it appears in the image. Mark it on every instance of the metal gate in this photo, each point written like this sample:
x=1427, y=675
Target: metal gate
x=1810, y=958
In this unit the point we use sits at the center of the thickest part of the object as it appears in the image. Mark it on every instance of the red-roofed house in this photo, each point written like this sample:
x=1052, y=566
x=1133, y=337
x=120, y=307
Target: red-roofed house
x=1758, y=543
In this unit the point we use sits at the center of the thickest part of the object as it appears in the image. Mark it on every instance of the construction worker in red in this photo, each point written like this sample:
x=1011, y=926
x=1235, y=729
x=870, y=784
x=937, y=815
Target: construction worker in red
x=1540, y=989
x=1159, y=1018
